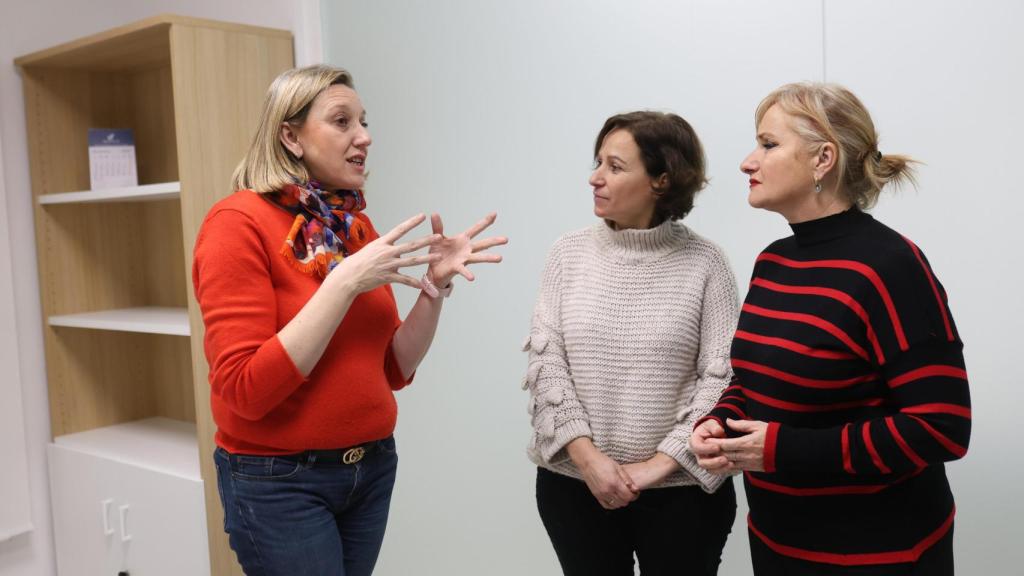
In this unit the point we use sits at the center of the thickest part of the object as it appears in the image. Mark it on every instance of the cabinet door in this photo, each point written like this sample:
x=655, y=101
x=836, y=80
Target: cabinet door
x=84, y=514
x=155, y=522
x=161, y=523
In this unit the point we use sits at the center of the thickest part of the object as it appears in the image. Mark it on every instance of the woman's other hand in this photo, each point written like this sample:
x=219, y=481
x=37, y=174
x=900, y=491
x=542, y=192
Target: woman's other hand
x=608, y=481
x=709, y=455
x=455, y=253
x=744, y=452
x=652, y=472
x=378, y=262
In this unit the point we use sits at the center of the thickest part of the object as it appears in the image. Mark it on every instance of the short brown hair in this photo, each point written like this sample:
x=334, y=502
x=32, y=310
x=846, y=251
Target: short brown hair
x=268, y=165
x=831, y=113
x=668, y=145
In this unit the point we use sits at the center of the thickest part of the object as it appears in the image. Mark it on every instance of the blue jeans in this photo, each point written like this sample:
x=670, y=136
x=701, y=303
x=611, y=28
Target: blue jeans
x=300, y=514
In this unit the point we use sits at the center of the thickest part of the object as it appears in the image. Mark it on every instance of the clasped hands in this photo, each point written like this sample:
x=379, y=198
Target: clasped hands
x=615, y=485
x=379, y=262
x=720, y=455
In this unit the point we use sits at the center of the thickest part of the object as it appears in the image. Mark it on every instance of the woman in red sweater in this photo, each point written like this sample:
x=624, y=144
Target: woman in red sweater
x=303, y=337
x=850, y=391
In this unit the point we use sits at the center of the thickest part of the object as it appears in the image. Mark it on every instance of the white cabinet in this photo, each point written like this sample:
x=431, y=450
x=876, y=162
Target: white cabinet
x=129, y=498
x=78, y=490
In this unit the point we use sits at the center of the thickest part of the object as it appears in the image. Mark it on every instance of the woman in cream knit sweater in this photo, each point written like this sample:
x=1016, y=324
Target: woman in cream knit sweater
x=629, y=347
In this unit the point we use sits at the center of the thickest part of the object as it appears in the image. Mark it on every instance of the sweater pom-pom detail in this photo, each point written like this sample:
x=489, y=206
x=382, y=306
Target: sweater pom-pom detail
x=526, y=344
x=553, y=397
x=540, y=343
x=546, y=426
x=683, y=413
x=719, y=368
x=533, y=372
x=531, y=406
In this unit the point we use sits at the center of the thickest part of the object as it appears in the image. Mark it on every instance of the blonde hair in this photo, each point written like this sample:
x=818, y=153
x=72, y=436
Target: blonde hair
x=830, y=113
x=268, y=165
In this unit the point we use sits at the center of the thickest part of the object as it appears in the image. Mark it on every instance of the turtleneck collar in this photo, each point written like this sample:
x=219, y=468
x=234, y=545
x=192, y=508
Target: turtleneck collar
x=636, y=246
x=830, y=227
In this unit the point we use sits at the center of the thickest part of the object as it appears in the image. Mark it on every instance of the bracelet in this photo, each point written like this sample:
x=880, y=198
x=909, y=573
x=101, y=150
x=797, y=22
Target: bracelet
x=433, y=291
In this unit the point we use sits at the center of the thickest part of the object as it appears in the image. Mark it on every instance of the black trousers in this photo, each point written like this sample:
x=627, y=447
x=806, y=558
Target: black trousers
x=678, y=531
x=935, y=561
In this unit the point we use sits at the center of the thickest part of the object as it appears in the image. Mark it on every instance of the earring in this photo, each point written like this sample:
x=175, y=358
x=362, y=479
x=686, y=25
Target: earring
x=817, y=186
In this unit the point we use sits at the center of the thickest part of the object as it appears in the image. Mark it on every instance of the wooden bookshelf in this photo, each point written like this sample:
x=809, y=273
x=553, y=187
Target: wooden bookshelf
x=122, y=330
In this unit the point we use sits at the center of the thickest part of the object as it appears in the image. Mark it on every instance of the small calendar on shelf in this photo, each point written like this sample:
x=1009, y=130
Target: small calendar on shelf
x=112, y=159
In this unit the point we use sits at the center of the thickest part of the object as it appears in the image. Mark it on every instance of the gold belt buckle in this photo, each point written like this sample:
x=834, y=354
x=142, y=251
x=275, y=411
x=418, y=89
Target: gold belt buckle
x=353, y=455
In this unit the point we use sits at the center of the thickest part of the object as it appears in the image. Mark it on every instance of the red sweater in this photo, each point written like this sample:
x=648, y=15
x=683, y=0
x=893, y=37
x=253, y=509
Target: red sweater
x=247, y=292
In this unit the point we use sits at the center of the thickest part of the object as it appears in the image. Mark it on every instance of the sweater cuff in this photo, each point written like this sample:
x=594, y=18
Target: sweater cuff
x=679, y=450
x=675, y=447
x=714, y=417
x=393, y=373
x=553, y=452
x=770, y=442
x=278, y=365
x=721, y=418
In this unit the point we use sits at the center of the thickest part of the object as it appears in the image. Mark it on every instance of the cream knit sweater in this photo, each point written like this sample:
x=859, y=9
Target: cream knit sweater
x=629, y=345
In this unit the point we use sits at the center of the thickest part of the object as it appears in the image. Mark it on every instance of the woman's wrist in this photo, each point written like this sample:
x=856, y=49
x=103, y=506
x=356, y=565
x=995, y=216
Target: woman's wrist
x=433, y=290
x=342, y=281
x=664, y=463
x=581, y=450
x=441, y=281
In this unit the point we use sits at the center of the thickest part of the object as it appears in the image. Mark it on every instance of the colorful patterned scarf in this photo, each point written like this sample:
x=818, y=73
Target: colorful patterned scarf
x=328, y=226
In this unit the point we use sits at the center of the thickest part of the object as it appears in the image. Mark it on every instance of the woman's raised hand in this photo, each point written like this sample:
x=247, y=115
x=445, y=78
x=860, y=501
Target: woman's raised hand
x=378, y=262
x=455, y=253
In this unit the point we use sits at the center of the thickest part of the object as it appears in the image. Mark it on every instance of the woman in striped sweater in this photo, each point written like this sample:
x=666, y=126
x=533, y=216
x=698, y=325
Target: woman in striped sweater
x=850, y=390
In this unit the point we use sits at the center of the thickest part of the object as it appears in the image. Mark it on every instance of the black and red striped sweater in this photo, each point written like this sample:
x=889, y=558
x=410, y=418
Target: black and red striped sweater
x=846, y=346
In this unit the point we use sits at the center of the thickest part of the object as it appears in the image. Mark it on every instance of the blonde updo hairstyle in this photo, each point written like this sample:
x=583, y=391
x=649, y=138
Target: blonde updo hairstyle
x=268, y=165
x=825, y=113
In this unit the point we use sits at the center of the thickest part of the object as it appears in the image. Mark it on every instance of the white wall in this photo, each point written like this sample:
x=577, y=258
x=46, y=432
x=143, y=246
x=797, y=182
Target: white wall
x=490, y=105
x=945, y=83
x=15, y=512
x=26, y=27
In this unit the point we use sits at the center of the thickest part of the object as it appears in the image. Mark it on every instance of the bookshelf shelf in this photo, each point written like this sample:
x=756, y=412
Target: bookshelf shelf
x=144, y=193
x=149, y=320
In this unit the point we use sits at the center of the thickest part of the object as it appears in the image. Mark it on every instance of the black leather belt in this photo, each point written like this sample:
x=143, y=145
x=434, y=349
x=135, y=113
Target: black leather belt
x=349, y=455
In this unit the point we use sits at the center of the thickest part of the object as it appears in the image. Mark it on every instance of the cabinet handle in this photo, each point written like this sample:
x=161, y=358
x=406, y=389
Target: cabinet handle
x=123, y=510
x=105, y=512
